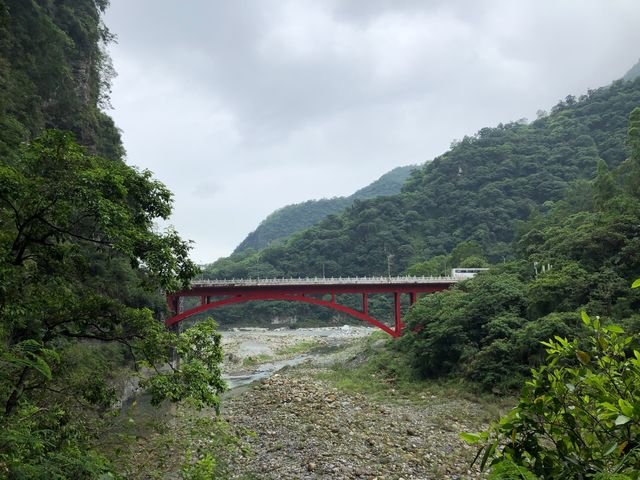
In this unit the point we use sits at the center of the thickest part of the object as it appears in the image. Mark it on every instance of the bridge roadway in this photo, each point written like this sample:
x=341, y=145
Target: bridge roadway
x=217, y=293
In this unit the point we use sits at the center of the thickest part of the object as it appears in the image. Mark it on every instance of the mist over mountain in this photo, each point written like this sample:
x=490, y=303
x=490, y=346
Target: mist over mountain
x=633, y=73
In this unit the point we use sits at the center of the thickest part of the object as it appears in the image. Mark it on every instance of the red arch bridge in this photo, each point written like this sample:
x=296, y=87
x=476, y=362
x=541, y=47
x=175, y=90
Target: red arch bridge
x=217, y=293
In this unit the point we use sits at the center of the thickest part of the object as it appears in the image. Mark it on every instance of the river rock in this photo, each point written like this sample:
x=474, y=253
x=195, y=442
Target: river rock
x=306, y=429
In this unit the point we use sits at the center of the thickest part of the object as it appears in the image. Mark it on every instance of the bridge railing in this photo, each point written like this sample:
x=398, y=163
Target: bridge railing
x=321, y=281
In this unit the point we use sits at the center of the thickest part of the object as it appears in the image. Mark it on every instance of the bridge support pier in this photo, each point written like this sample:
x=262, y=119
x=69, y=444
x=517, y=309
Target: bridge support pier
x=173, y=302
x=365, y=303
x=398, y=323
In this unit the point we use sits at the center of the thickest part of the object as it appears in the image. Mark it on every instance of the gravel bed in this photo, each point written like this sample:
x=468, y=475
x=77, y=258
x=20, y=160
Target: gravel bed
x=306, y=429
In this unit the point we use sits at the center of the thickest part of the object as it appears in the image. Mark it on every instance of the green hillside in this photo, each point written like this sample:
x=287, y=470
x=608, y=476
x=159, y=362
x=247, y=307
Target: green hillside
x=54, y=74
x=552, y=206
x=479, y=191
x=292, y=218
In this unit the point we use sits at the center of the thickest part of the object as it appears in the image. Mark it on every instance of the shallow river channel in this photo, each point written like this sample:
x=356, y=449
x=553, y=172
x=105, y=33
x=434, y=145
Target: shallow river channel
x=253, y=354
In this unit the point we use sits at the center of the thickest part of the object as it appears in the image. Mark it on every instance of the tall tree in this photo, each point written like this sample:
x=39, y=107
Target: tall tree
x=80, y=267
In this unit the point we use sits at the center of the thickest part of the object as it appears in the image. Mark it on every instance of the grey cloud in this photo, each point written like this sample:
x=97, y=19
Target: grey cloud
x=206, y=190
x=255, y=97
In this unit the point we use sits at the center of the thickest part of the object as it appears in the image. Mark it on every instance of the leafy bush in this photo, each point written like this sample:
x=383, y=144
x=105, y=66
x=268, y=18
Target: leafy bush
x=450, y=333
x=578, y=417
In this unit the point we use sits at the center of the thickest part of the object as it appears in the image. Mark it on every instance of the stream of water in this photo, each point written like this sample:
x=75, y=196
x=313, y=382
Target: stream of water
x=263, y=371
x=252, y=342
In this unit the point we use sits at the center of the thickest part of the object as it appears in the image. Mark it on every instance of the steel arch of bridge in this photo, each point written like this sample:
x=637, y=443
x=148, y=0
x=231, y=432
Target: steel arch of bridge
x=301, y=290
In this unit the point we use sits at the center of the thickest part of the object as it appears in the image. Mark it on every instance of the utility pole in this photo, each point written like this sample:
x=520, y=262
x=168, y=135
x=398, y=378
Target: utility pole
x=389, y=257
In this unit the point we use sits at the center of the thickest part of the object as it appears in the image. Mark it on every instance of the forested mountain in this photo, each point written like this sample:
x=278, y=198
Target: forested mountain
x=562, y=321
x=292, y=218
x=388, y=184
x=553, y=205
x=81, y=263
x=478, y=191
x=581, y=254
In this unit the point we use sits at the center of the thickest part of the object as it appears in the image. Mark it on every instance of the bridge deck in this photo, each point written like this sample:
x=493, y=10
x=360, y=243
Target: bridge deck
x=323, y=281
x=217, y=293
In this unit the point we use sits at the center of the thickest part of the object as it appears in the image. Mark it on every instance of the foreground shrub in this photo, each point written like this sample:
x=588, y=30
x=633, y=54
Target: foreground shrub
x=579, y=415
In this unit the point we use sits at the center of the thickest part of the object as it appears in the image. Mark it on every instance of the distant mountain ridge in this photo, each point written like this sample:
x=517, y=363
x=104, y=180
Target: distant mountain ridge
x=479, y=191
x=633, y=73
x=292, y=218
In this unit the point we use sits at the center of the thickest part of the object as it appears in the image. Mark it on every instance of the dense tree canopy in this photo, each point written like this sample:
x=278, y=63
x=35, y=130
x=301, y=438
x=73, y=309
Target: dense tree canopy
x=82, y=265
x=581, y=254
x=80, y=268
x=55, y=73
x=577, y=417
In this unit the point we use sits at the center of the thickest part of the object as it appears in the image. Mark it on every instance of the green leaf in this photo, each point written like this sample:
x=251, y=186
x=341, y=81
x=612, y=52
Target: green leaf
x=609, y=448
x=43, y=367
x=636, y=284
x=615, y=329
x=609, y=406
x=626, y=407
x=562, y=341
x=583, y=357
x=34, y=361
x=585, y=318
x=471, y=438
x=622, y=419
x=488, y=452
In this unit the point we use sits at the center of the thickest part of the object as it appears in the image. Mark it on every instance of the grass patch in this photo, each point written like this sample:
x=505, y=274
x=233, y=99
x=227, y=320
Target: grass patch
x=379, y=370
x=256, y=359
x=298, y=348
x=374, y=368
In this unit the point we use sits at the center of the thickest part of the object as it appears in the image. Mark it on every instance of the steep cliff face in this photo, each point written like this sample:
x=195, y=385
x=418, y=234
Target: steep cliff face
x=71, y=293
x=54, y=73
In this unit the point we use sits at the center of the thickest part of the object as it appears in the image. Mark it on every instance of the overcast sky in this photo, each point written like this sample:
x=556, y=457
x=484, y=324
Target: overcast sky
x=242, y=107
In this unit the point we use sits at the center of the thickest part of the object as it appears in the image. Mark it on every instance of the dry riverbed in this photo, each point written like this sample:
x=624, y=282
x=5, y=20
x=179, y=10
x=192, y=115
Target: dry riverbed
x=303, y=427
x=260, y=345
x=297, y=424
x=253, y=354
x=306, y=429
